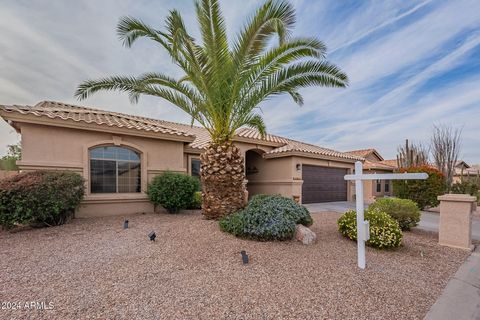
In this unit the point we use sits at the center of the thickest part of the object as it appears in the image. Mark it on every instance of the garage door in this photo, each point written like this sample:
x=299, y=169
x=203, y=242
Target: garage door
x=322, y=184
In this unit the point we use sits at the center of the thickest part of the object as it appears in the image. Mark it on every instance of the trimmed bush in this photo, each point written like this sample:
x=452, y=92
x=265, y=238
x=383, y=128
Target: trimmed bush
x=385, y=231
x=465, y=187
x=196, y=201
x=267, y=218
x=405, y=211
x=423, y=192
x=40, y=198
x=173, y=191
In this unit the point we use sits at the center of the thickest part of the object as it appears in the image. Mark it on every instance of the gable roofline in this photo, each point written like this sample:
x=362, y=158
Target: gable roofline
x=73, y=116
x=461, y=162
x=366, y=152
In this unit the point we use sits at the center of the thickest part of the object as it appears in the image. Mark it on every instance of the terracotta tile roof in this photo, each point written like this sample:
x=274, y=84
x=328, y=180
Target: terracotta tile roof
x=377, y=165
x=390, y=162
x=296, y=146
x=57, y=110
x=466, y=171
x=361, y=153
x=254, y=134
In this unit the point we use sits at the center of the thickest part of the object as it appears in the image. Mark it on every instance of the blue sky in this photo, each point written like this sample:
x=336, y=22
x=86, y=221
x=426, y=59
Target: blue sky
x=411, y=64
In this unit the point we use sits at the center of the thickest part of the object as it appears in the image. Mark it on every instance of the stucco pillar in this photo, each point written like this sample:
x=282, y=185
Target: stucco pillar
x=456, y=220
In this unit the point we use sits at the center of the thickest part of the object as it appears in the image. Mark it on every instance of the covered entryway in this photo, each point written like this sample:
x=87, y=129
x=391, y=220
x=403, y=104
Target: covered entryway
x=255, y=171
x=323, y=184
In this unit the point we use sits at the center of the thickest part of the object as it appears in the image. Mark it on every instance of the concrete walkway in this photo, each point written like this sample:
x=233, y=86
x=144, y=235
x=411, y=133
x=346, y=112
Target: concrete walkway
x=429, y=220
x=460, y=300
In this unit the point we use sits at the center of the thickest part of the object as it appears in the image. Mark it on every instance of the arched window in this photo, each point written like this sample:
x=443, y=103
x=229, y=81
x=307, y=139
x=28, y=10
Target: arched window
x=114, y=170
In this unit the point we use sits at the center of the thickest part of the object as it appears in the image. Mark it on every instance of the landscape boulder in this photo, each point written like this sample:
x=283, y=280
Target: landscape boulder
x=305, y=235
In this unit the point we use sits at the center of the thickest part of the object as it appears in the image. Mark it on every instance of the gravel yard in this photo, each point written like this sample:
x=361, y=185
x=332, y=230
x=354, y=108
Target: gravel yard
x=93, y=269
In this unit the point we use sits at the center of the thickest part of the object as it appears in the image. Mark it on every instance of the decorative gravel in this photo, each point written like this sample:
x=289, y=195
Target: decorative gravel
x=93, y=269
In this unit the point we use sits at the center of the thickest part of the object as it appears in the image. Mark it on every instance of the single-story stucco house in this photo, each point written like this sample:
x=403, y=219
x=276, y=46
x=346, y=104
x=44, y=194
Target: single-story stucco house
x=118, y=154
x=374, y=163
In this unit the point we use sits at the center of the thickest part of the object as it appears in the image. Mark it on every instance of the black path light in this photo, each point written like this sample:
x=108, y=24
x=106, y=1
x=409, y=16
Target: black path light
x=244, y=256
x=125, y=224
x=152, y=236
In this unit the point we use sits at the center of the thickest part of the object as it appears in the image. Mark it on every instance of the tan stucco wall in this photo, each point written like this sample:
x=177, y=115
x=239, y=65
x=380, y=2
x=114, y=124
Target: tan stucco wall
x=274, y=176
x=370, y=187
x=46, y=147
x=57, y=148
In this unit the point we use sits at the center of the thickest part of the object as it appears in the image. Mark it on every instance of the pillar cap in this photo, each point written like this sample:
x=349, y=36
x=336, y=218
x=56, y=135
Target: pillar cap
x=457, y=198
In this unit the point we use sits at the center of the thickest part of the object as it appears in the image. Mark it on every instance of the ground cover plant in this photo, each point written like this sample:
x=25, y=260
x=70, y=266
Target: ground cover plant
x=267, y=217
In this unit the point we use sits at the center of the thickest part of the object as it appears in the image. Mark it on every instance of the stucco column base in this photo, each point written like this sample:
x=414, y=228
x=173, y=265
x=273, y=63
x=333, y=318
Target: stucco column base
x=456, y=221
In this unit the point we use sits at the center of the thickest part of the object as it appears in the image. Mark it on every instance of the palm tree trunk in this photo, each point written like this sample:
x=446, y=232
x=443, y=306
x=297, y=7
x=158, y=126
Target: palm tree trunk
x=222, y=174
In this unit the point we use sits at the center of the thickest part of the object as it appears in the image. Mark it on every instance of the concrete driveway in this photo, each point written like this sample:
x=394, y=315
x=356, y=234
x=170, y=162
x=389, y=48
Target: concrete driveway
x=429, y=221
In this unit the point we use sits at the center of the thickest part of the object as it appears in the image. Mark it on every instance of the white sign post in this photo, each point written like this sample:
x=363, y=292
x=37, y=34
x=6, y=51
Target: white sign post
x=363, y=232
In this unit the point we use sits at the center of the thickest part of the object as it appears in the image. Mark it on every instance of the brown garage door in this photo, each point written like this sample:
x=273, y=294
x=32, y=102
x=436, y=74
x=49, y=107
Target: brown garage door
x=322, y=184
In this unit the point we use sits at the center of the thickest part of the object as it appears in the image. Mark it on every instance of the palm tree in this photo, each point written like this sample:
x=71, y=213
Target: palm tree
x=223, y=85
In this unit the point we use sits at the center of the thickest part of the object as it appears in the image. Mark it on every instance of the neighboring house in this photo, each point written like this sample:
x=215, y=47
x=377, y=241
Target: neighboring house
x=374, y=163
x=463, y=171
x=118, y=154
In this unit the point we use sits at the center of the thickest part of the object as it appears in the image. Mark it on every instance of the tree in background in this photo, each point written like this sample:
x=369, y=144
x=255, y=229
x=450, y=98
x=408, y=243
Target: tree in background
x=445, y=147
x=8, y=162
x=223, y=82
x=411, y=155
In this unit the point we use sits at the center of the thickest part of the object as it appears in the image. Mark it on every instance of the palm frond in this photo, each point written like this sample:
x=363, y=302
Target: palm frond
x=118, y=83
x=130, y=29
x=222, y=87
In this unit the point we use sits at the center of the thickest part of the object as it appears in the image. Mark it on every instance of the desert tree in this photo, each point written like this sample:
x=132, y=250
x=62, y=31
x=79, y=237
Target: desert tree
x=14, y=153
x=223, y=83
x=445, y=147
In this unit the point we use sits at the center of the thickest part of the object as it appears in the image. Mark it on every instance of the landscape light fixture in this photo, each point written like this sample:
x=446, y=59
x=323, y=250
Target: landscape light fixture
x=125, y=224
x=244, y=256
x=152, y=236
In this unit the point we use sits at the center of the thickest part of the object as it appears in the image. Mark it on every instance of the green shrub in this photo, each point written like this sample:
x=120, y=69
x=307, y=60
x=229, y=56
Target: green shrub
x=173, y=191
x=196, y=201
x=385, y=231
x=422, y=192
x=40, y=198
x=465, y=187
x=267, y=218
x=405, y=211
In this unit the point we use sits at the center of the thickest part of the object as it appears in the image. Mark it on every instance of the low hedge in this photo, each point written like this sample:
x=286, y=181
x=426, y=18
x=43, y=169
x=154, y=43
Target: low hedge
x=385, y=232
x=267, y=218
x=405, y=211
x=173, y=191
x=40, y=198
